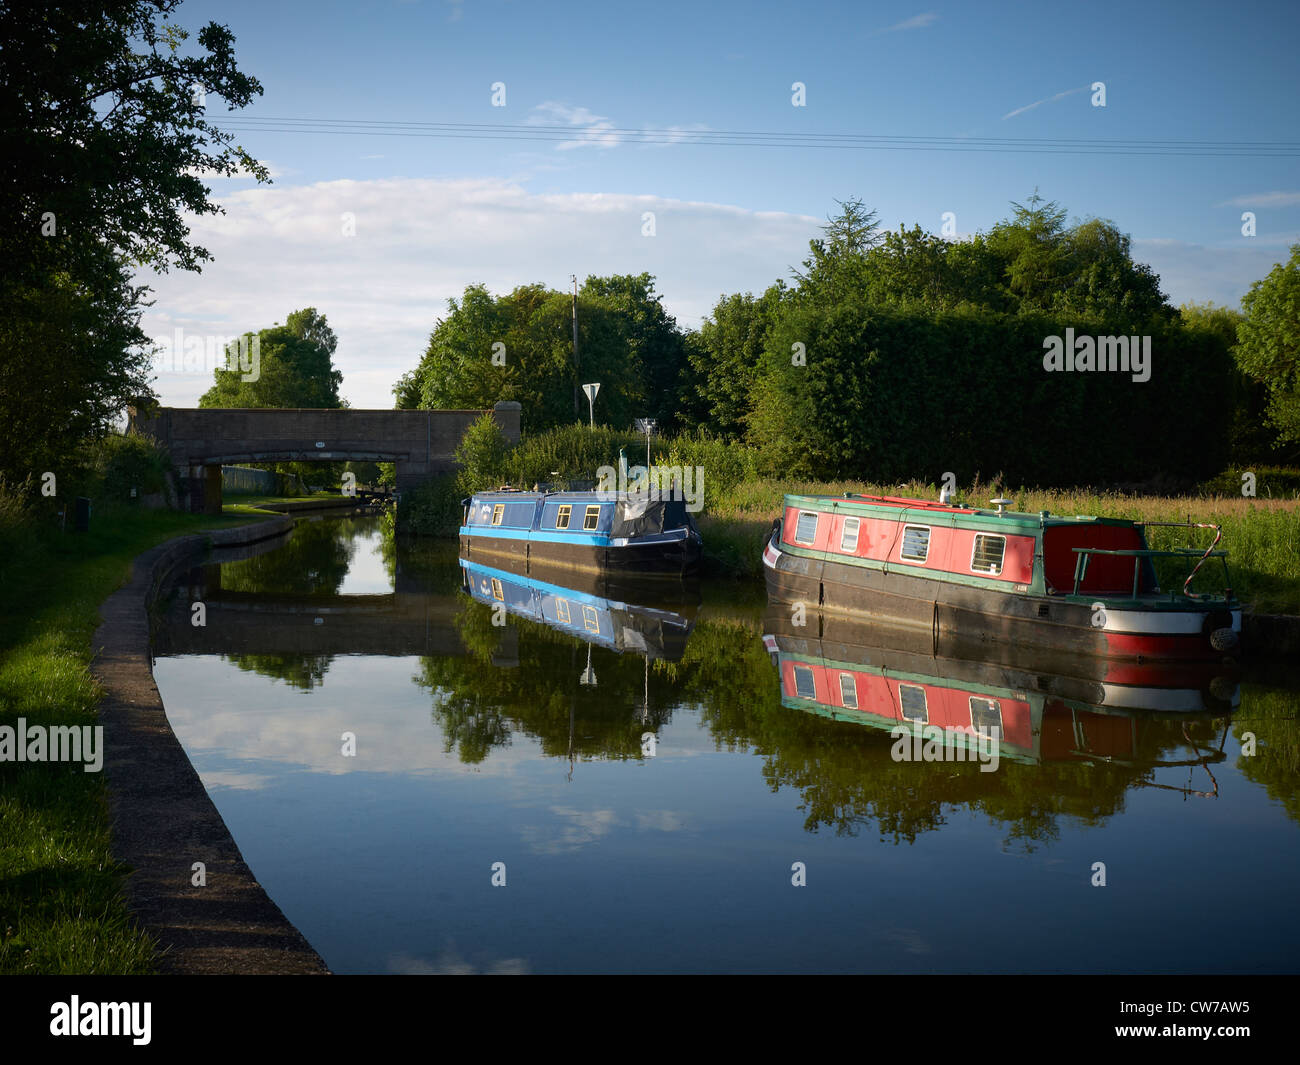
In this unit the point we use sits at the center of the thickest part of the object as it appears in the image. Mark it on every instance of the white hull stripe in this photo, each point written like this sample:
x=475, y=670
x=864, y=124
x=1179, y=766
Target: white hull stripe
x=1161, y=622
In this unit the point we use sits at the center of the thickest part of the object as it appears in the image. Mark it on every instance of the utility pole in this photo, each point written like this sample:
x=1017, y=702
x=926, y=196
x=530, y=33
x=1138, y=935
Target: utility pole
x=577, y=411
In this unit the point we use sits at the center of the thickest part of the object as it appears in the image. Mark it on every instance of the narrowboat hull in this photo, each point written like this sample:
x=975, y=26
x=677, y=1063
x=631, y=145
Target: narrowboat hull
x=1016, y=606
x=628, y=536
x=676, y=557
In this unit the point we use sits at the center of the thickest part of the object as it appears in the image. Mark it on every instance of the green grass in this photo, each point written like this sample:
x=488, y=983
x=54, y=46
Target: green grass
x=250, y=503
x=61, y=909
x=1262, y=536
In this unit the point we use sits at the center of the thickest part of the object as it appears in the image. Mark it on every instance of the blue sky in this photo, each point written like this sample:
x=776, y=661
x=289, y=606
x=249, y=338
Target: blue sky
x=433, y=214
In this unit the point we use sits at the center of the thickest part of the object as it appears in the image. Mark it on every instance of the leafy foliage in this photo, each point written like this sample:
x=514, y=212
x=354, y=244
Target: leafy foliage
x=104, y=143
x=520, y=347
x=1269, y=342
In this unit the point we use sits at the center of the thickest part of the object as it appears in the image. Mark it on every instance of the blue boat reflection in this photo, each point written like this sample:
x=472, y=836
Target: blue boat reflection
x=621, y=617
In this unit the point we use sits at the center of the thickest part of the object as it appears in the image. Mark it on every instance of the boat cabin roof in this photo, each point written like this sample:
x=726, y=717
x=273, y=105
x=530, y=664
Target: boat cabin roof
x=1011, y=517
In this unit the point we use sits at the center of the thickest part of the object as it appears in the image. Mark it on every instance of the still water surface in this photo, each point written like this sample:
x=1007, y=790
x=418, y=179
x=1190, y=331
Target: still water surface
x=649, y=780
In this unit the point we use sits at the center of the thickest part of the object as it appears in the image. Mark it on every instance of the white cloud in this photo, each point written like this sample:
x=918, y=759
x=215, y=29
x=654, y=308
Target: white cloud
x=595, y=130
x=1264, y=199
x=1044, y=100
x=916, y=22
x=420, y=241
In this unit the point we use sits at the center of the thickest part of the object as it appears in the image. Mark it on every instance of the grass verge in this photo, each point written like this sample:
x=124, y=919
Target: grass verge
x=61, y=906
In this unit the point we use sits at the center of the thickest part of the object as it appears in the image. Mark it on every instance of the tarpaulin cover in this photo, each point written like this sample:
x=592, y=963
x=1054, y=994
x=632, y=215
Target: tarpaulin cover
x=642, y=515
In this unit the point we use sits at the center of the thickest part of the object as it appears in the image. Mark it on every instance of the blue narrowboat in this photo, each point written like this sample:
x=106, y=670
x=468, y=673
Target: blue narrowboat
x=628, y=534
x=587, y=612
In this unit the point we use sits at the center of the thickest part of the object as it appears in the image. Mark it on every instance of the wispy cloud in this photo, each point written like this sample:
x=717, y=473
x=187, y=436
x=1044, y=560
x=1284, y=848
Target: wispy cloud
x=669, y=135
x=593, y=130
x=916, y=22
x=1264, y=199
x=1045, y=100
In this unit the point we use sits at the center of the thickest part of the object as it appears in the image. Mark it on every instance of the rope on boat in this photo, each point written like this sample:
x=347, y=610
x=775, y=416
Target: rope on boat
x=1218, y=535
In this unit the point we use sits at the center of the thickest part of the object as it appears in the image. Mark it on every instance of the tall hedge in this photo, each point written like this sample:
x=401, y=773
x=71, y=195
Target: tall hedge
x=901, y=394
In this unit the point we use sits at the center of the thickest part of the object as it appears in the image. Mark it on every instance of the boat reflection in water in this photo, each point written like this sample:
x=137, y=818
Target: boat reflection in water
x=653, y=620
x=1037, y=707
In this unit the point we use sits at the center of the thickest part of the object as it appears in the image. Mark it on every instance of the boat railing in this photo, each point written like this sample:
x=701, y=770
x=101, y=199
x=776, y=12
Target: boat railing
x=1084, y=554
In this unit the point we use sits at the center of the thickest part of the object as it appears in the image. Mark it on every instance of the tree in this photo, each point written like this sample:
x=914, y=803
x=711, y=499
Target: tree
x=519, y=347
x=103, y=144
x=295, y=368
x=1032, y=246
x=726, y=353
x=650, y=340
x=837, y=257
x=1268, y=342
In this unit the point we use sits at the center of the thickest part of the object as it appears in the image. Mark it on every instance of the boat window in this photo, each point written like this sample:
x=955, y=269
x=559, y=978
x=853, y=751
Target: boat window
x=498, y=512
x=592, y=518
x=562, y=611
x=562, y=516
x=916, y=543
x=804, y=685
x=497, y=591
x=986, y=557
x=805, y=530
x=985, y=716
x=849, y=690
x=849, y=537
x=590, y=619
x=911, y=699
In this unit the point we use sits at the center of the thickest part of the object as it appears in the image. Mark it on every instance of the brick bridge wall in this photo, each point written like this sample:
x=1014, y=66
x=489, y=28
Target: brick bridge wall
x=420, y=442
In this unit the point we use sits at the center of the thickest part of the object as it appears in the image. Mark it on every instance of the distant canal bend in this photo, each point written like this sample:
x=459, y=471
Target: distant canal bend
x=433, y=767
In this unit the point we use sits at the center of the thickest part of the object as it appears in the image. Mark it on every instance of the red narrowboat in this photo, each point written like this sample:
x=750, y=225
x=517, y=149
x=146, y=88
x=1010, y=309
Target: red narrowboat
x=1082, y=584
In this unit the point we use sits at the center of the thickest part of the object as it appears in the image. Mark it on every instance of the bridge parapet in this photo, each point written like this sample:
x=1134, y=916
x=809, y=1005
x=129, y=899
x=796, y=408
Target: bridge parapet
x=420, y=442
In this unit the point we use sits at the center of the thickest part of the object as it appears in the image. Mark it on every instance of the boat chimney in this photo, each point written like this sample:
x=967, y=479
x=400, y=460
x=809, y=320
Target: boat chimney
x=945, y=493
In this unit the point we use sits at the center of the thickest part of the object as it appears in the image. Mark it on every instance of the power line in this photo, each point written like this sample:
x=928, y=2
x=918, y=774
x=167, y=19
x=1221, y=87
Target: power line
x=753, y=138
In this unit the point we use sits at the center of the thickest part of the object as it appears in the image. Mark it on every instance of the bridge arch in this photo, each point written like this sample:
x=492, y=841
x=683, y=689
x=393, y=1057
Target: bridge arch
x=420, y=443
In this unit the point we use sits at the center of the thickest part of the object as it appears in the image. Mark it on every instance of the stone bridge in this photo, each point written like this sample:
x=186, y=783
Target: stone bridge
x=420, y=442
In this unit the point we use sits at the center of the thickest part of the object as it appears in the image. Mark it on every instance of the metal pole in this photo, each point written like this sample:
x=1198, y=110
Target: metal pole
x=576, y=375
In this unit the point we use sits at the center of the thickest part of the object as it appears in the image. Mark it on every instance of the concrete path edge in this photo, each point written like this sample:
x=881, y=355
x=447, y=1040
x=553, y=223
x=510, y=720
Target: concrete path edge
x=163, y=820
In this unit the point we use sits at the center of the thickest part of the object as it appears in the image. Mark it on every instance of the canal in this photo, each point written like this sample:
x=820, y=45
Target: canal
x=427, y=780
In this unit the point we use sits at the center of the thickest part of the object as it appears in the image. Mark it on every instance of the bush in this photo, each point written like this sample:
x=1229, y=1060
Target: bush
x=1271, y=482
x=482, y=456
x=118, y=463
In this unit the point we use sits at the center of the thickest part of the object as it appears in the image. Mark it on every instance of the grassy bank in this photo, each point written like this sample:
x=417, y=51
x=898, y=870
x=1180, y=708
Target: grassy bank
x=61, y=909
x=1262, y=536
